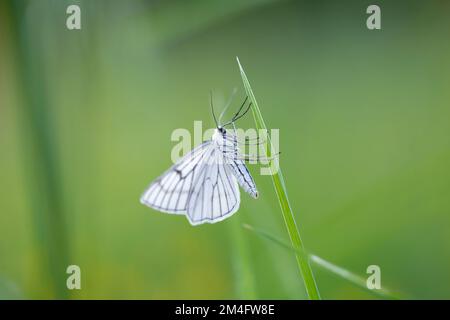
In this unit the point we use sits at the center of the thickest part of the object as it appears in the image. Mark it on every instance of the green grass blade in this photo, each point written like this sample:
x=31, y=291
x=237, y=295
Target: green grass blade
x=280, y=189
x=341, y=272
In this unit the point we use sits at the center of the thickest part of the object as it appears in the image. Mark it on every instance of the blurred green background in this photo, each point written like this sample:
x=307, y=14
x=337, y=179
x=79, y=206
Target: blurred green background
x=85, y=124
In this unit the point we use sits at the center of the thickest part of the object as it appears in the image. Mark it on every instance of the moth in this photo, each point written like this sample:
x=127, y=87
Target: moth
x=204, y=184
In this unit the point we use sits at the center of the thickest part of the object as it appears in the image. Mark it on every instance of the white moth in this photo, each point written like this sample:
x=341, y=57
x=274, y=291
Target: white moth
x=204, y=184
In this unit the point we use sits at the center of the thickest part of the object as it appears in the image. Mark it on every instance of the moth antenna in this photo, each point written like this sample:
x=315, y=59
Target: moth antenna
x=236, y=115
x=246, y=110
x=233, y=93
x=212, y=108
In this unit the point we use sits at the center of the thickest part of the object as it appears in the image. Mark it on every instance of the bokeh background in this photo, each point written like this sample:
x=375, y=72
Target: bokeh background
x=85, y=124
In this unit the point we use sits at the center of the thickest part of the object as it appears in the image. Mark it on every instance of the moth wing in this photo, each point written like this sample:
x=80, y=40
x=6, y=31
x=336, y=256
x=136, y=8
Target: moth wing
x=215, y=195
x=243, y=177
x=169, y=192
